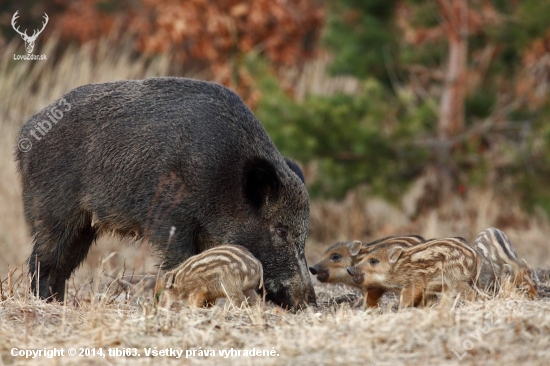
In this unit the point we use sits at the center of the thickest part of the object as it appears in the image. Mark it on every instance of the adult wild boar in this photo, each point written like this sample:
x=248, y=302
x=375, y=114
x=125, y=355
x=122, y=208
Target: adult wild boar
x=181, y=163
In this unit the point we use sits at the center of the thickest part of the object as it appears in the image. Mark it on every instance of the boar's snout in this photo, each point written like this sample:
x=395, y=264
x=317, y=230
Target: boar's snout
x=314, y=270
x=293, y=300
x=350, y=271
x=293, y=293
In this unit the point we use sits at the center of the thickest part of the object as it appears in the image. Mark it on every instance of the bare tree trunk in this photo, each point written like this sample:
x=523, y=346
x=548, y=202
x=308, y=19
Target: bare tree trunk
x=451, y=109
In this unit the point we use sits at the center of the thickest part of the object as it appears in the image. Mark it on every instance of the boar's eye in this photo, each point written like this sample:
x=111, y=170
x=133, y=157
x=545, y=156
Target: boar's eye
x=335, y=257
x=282, y=232
x=373, y=261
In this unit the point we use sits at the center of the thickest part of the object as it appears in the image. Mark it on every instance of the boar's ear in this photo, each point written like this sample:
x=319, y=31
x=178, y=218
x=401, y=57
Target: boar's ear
x=260, y=182
x=296, y=169
x=355, y=247
x=394, y=254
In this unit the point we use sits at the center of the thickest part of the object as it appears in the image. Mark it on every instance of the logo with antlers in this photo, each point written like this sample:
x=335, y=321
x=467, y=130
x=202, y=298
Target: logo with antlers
x=29, y=41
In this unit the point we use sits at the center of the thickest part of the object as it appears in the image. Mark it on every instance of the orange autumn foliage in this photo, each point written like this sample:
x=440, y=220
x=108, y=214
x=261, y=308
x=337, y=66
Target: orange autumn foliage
x=205, y=35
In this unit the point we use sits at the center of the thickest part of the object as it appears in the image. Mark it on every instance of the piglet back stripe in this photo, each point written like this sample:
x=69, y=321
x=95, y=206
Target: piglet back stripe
x=499, y=241
x=411, y=239
x=220, y=255
x=378, y=241
x=505, y=243
x=457, y=243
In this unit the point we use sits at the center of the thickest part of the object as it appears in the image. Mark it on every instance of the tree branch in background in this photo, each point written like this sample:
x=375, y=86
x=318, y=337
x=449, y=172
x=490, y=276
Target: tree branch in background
x=455, y=23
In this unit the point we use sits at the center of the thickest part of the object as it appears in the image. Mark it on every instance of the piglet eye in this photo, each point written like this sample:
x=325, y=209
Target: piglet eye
x=335, y=257
x=282, y=232
x=373, y=261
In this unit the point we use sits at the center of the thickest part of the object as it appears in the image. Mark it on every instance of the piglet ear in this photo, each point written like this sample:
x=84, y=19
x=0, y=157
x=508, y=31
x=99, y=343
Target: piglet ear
x=355, y=247
x=260, y=182
x=394, y=254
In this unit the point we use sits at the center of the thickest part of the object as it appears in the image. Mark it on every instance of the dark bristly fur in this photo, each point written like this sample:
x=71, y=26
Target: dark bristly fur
x=229, y=271
x=500, y=262
x=337, y=258
x=433, y=266
x=181, y=163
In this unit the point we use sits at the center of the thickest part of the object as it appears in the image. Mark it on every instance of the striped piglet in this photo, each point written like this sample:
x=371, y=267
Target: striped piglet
x=501, y=263
x=229, y=271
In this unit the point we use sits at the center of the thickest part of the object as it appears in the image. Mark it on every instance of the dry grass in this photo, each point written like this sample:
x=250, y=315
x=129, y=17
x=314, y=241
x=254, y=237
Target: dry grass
x=505, y=330
x=109, y=302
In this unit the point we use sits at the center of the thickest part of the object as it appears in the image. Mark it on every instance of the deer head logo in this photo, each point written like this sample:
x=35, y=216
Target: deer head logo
x=29, y=41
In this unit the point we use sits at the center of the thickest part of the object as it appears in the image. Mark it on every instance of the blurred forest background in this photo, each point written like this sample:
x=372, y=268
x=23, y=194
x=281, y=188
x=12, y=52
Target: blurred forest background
x=374, y=98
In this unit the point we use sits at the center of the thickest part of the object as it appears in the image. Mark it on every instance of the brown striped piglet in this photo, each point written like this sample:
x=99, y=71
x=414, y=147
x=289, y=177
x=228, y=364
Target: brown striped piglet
x=228, y=271
x=501, y=263
x=433, y=266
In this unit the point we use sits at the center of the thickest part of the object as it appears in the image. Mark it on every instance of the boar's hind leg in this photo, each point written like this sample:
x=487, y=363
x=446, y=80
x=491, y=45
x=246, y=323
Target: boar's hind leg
x=57, y=251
